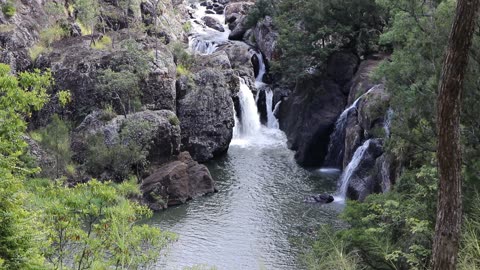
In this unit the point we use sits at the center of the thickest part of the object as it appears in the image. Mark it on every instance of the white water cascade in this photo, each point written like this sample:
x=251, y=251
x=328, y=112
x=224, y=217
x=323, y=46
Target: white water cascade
x=203, y=39
x=336, y=149
x=351, y=168
x=249, y=123
x=388, y=122
x=262, y=69
x=272, y=121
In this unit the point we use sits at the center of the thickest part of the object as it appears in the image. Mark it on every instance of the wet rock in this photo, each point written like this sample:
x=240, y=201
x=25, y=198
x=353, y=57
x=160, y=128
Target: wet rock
x=363, y=179
x=240, y=57
x=176, y=182
x=205, y=107
x=319, y=198
x=213, y=23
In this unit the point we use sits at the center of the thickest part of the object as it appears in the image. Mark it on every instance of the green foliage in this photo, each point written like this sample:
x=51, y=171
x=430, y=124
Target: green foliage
x=329, y=252
x=94, y=226
x=19, y=95
x=187, y=27
x=103, y=43
x=64, y=97
x=469, y=255
x=37, y=50
x=52, y=34
x=56, y=138
x=9, y=9
x=183, y=71
x=309, y=31
x=127, y=155
x=88, y=12
x=182, y=57
x=107, y=114
x=260, y=10
x=122, y=86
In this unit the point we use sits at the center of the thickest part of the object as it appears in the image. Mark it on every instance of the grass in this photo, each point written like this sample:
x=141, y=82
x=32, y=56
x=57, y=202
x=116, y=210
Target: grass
x=102, y=43
x=183, y=71
x=37, y=50
x=6, y=28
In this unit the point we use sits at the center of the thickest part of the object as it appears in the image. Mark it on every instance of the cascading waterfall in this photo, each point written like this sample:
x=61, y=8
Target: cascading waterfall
x=203, y=39
x=262, y=69
x=249, y=123
x=272, y=121
x=388, y=122
x=336, y=146
x=351, y=168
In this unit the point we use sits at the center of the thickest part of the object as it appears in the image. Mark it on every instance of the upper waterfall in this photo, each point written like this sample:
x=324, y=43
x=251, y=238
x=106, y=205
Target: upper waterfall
x=249, y=123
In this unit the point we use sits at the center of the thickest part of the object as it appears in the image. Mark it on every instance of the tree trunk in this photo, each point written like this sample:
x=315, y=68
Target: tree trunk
x=449, y=205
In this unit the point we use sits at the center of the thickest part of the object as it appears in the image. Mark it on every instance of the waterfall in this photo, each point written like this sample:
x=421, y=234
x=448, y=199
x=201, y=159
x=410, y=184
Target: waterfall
x=261, y=71
x=388, y=122
x=203, y=39
x=337, y=138
x=351, y=168
x=202, y=46
x=272, y=121
x=249, y=123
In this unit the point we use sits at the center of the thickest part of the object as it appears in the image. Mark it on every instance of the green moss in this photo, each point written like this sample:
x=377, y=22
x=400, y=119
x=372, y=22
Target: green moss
x=187, y=27
x=183, y=71
x=9, y=9
x=174, y=120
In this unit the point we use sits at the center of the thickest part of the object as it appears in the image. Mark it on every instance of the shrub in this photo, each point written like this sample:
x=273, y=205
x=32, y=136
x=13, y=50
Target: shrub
x=104, y=42
x=181, y=56
x=9, y=9
x=126, y=156
x=52, y=34
x=187, y=27
x=107, y=114
x=95, y=226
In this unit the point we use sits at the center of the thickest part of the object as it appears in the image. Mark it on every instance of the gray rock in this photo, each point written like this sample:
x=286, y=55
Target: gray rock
x=164, y=143
x=266, y=38
x=363, y=180
x=213, y=23
x=205, y=108
x=45, y=160
x=176, y=182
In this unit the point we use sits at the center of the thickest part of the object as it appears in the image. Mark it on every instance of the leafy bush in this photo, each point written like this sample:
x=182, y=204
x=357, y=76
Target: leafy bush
x=101, y=44
x=182, y=57
x=9, y=9
x=187, y=27
x=52, y=34
x=56, y=138
x=260, y=10
x=126, y=156
x=95, y=226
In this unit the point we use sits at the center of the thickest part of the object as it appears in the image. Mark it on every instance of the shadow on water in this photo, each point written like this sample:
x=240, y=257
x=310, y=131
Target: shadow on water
x=258, y=218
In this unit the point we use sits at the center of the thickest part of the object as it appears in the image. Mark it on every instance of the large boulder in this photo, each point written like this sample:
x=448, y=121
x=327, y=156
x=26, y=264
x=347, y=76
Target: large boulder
x=205, y=107
x=309, y=113
x=176, y=182
x=213, y=23
x=362, y=81
x=164, y=132
x=235, y=16
x=240, y=56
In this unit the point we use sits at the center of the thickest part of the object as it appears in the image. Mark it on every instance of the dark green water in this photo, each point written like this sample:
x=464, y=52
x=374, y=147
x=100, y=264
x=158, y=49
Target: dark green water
x=258, y=219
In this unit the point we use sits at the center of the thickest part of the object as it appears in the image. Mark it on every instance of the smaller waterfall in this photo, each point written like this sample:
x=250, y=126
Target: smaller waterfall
x=277, y=107
x=388, y=122
x=202, y=46
x=272, y=121
x=351, y=168
x=249, y=123
x=261, y=71
x=337, y=138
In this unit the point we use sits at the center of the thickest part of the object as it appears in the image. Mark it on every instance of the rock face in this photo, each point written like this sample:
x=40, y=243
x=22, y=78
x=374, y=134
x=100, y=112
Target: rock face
x=235, y=15
x=43, y=159
x=176, y=182
x=75, y=66
x=266, y=38
x=308, y=115
x=164, y=141
x=19, y=32
x=205, y=107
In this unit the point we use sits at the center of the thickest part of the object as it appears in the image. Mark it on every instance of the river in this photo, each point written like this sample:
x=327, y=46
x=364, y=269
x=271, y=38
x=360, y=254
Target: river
x=258, y=219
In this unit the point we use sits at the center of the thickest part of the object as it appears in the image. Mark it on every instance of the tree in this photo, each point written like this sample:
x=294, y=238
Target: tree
x=449, y=205
x=18, y=97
